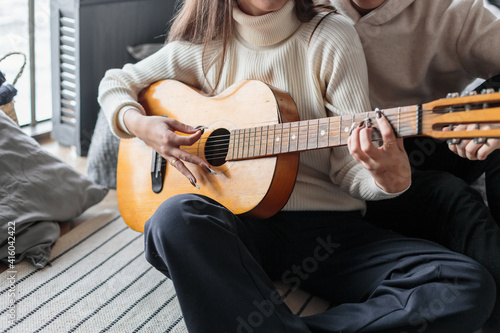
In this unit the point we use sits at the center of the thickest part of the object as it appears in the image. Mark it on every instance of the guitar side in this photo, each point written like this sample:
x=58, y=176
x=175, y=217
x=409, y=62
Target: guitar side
x=258, y=187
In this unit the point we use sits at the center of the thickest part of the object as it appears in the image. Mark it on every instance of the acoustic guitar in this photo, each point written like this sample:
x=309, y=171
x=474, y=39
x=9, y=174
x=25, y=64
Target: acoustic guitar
x=253, y=140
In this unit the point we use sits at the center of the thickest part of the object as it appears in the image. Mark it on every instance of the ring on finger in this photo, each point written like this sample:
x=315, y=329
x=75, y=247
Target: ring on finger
x=389, y=143
x=172, y=162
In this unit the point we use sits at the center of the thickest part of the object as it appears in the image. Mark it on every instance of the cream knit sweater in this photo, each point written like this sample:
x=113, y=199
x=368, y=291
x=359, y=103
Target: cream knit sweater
x=420, y=50
x=325, y=74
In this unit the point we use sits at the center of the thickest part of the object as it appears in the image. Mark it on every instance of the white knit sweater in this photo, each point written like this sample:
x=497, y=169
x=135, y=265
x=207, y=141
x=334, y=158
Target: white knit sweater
x=325, y=74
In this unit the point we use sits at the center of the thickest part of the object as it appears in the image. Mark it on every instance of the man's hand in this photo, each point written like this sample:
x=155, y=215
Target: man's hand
x=475, y=150
x=388, y=164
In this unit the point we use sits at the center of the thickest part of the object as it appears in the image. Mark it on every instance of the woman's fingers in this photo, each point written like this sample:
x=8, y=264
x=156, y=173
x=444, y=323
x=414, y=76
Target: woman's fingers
x=179, y=165
x=388, y=136
x=166, y=136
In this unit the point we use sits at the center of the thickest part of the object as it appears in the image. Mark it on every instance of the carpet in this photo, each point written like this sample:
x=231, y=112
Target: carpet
x=98, y=280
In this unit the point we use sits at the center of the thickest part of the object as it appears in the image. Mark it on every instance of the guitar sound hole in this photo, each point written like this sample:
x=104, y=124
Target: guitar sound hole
x=217, y=146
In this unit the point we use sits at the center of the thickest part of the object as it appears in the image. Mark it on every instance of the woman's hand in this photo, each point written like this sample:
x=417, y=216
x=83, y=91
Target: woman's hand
x=388, y=164
x=159, y=133
x=475, y=150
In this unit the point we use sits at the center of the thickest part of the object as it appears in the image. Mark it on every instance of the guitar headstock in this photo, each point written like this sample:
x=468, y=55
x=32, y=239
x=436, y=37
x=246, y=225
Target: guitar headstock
x=467, y=102
x=440, y=117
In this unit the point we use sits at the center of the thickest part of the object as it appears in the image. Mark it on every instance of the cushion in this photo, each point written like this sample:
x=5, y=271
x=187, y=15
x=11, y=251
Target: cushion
x=141, y=51
x=102, y=157
x=37, y=191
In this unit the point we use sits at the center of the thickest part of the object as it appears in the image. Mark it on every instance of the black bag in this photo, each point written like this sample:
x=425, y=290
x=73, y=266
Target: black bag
x=8, y=91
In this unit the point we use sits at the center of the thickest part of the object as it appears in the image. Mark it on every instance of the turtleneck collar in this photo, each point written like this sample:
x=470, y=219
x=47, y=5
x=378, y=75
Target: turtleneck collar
x=267, y=29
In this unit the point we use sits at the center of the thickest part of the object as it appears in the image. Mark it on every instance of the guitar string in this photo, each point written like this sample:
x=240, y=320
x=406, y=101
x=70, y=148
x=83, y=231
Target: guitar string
x=219, y=141
x=413, y=115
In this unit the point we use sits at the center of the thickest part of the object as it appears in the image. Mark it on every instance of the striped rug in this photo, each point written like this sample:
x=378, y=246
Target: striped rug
x=99, y=281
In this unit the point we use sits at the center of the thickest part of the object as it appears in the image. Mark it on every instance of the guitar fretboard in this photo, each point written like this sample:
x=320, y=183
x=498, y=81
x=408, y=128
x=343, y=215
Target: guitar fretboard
x=315, y=134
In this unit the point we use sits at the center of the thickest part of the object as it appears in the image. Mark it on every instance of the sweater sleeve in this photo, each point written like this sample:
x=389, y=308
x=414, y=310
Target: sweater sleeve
x=478, y=44
x=344, y=77
x=120, y=88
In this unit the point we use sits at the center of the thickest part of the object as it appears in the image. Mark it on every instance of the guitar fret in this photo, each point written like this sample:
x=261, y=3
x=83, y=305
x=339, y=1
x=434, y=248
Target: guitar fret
x=230, y=147
x=265, y=133
x=333, y=131
x=278, y=131
x=245, y=143
x=417, y=126
x=399, y=122
x=300, y=137
x=323, y=132
x=252, y=142
x=346, y=126
x=294, y=131
x=253, y=139
x=285, y=138
x=312, y=134
x=340, y=130
x=258, y=141
x=270, y=140
x=240, y=147
x=306, y=146
x=241, y=151
x=236, y=143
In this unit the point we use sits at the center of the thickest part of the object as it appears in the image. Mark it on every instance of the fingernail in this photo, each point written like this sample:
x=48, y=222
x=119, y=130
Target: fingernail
x=361, y=124
x=200, y=128
x=208, y=169
x=378, y=113
x=194, y=183
x=352, y=128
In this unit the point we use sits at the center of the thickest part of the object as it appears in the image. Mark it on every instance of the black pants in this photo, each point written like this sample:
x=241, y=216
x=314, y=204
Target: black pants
x=223, y=268
x=440, y=206
x=430, y=154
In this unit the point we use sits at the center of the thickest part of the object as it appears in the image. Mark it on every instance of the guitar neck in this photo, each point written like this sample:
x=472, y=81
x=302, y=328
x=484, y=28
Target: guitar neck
x=317, y=133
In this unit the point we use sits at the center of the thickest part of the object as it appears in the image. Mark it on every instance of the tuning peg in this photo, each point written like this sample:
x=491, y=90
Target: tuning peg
x=487, y=91
x=453, y=95
x=468, y=107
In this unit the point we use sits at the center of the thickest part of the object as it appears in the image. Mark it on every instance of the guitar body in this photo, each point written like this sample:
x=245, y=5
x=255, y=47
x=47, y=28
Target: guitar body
x=259, y=187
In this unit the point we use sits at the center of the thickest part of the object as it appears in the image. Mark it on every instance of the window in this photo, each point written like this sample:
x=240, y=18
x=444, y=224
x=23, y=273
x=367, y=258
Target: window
x=15, y=18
